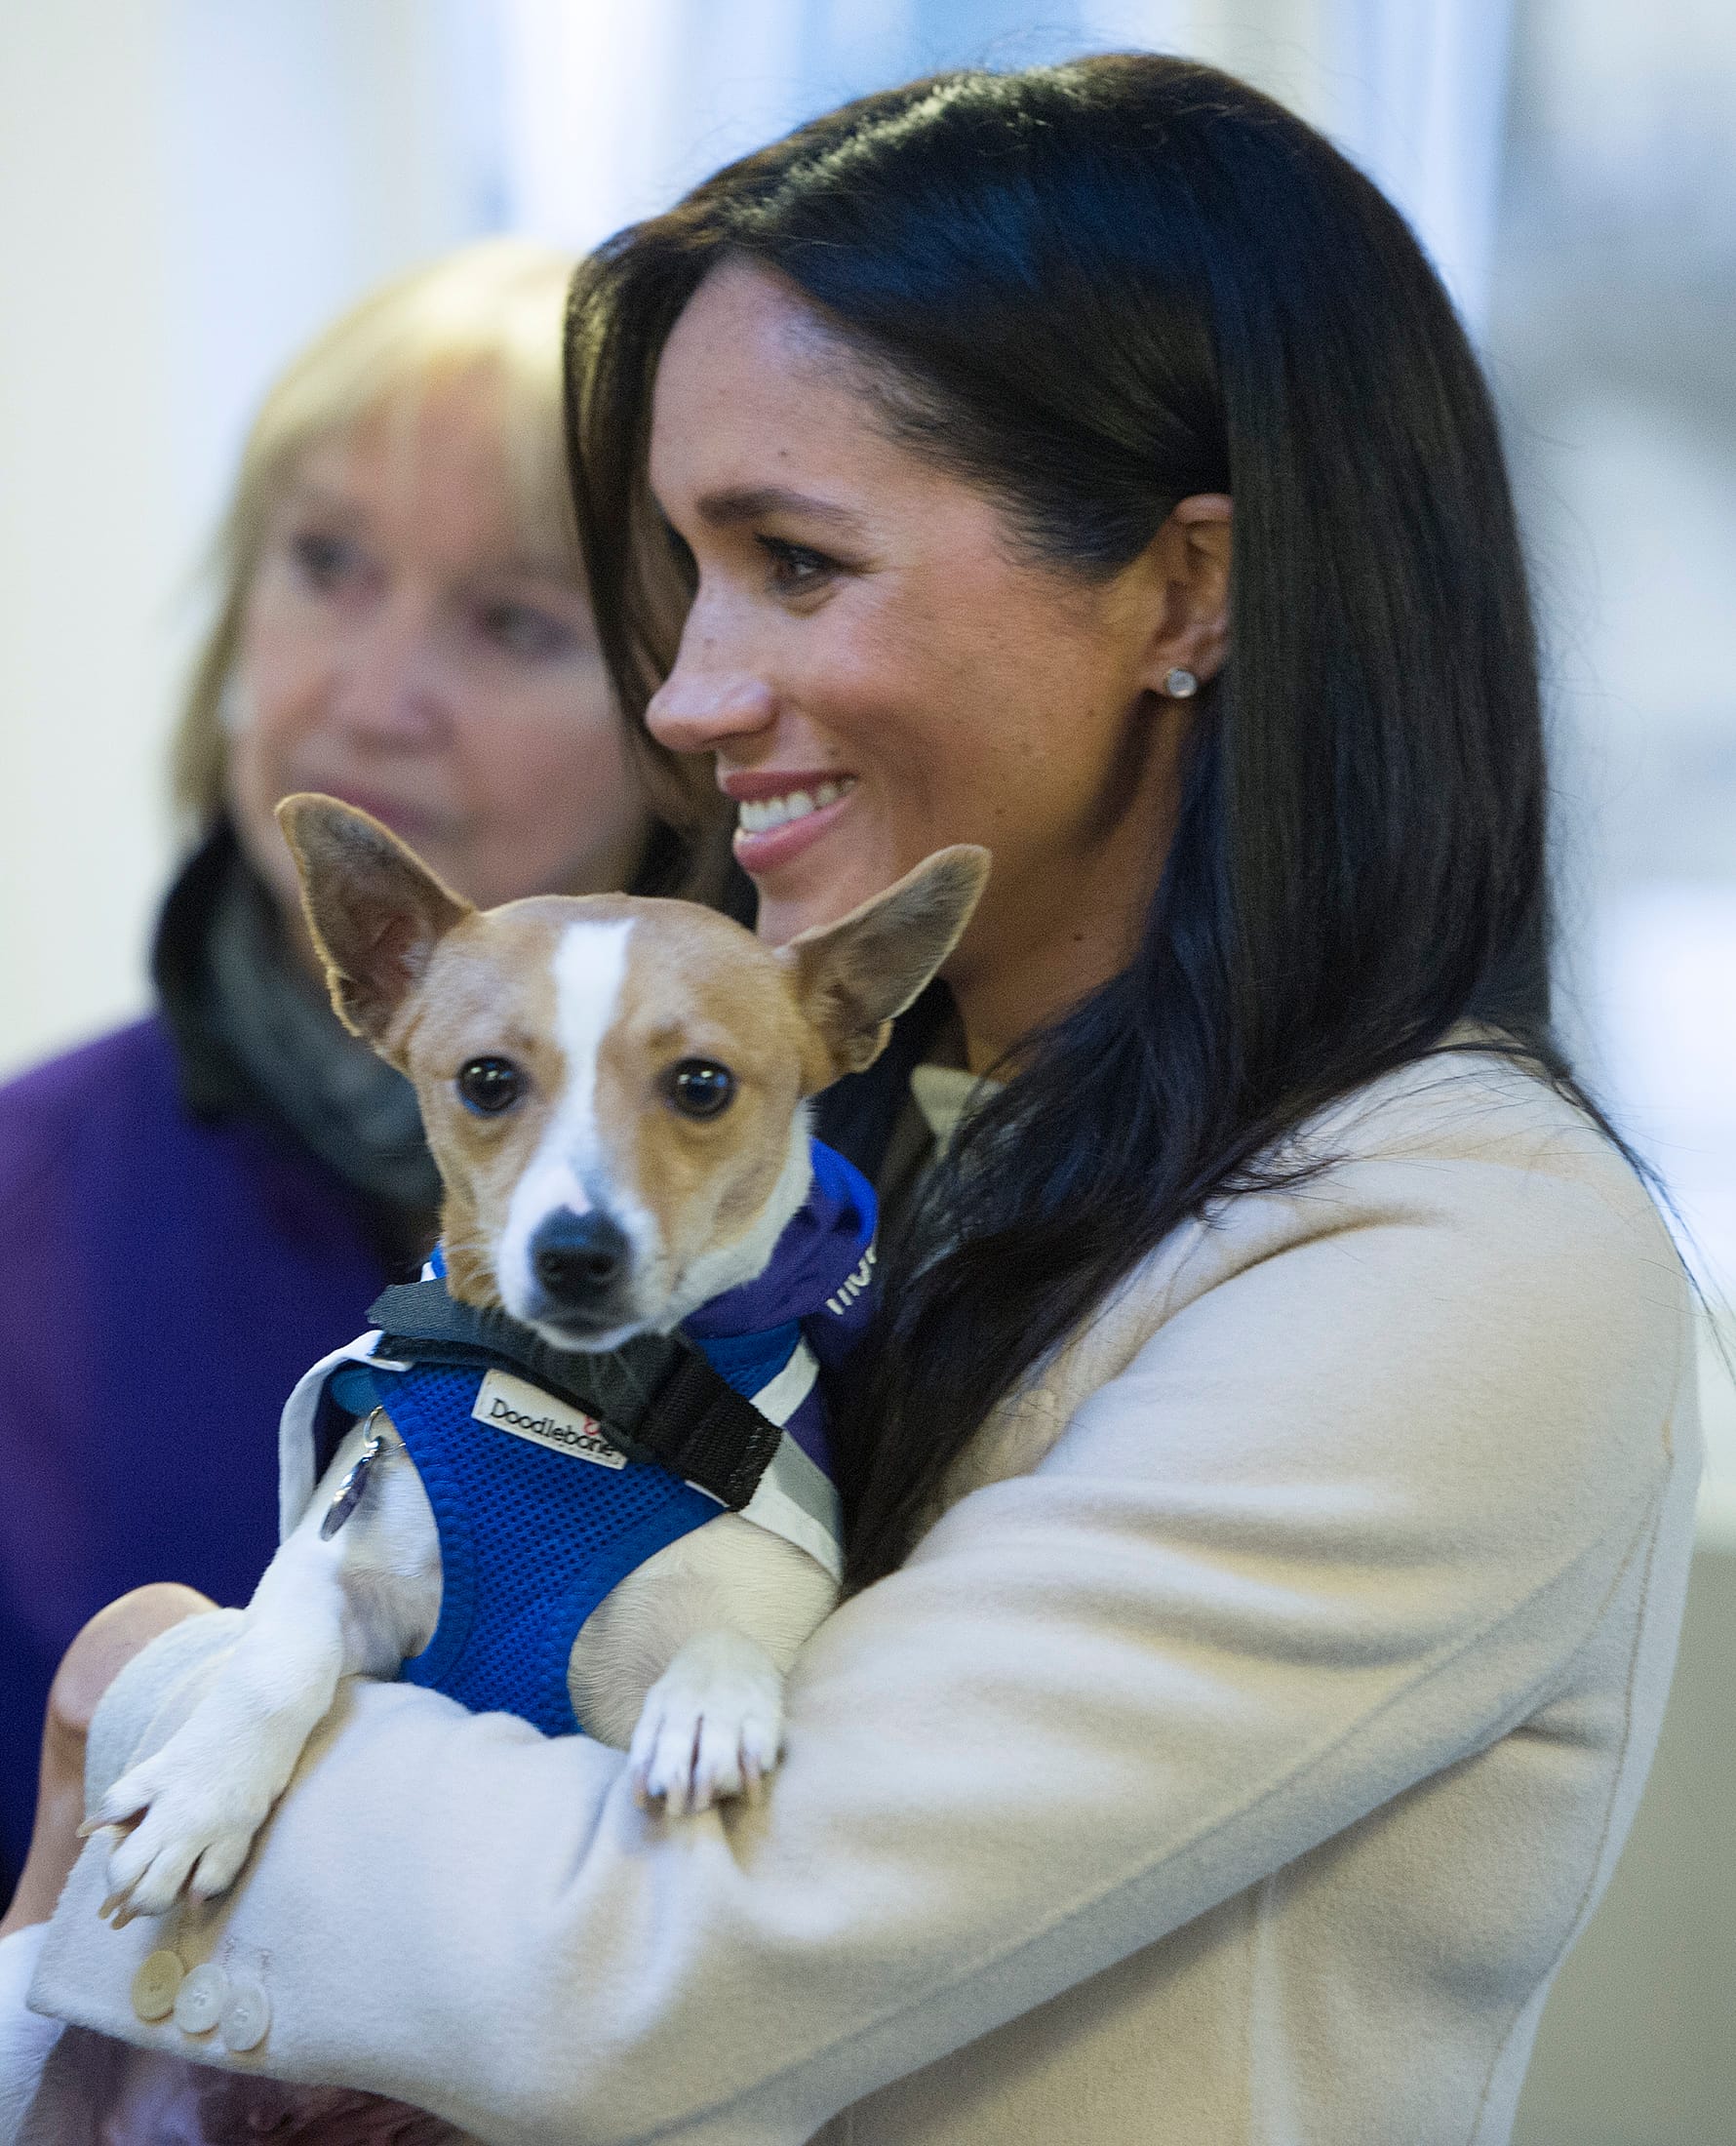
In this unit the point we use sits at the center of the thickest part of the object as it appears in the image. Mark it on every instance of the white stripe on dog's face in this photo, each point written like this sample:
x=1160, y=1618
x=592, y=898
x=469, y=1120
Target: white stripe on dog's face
x=571, y=1168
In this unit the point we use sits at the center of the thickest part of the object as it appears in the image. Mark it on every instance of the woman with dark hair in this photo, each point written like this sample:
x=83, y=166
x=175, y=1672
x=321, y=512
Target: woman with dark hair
x=1272, y=1484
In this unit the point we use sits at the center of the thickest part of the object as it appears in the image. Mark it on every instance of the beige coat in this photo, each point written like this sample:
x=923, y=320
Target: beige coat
x=1233, y=1763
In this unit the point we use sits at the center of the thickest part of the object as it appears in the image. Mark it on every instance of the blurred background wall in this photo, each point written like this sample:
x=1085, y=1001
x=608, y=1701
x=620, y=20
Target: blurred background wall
x=193, y=187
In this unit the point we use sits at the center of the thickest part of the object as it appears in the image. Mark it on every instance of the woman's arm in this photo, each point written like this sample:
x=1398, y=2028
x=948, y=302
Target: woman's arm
x=1345, y=1520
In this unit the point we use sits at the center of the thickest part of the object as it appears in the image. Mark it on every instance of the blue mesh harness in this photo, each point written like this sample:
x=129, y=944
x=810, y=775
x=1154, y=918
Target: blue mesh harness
x=540, y=1515
x=531, y=1541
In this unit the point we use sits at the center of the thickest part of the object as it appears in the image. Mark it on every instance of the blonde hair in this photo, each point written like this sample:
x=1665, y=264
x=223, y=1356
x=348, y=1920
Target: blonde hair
x=489, y=314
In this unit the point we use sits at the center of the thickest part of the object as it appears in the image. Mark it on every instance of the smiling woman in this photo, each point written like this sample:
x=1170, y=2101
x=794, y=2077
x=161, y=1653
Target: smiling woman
x=877, y=671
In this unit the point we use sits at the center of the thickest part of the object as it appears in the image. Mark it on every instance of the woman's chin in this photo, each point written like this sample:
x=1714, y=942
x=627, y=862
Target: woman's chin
x=787, y=910
x=812, y=871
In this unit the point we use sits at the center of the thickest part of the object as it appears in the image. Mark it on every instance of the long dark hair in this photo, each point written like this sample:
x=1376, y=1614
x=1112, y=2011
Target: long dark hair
x=1093, y=290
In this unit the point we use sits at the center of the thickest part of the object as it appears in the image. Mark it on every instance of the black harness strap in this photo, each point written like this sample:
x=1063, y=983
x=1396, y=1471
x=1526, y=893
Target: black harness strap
x=655, y=1396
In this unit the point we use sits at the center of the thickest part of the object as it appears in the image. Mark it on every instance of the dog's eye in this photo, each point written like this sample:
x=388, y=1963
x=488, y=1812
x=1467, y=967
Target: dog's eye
x=490, y=1086
x=699, y=1089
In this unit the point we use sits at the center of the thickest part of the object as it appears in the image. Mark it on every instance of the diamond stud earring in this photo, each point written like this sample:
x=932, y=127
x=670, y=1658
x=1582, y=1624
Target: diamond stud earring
x=1181, y=684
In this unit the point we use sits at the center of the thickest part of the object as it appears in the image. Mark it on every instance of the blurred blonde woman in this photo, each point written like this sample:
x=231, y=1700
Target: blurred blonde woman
x=200, y=1204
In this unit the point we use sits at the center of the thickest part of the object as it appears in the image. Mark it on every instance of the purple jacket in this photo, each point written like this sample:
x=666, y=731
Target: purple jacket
x=164, y=1283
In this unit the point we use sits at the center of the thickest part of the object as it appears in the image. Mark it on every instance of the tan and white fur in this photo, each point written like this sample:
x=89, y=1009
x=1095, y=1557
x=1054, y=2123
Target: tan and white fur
x=596, y=1005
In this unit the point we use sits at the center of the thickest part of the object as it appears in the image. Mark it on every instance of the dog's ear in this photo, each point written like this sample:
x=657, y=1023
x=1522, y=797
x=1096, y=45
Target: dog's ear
x=851, y=978
x=376, y=911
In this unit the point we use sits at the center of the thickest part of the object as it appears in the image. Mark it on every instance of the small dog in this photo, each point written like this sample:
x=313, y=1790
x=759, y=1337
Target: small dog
x=615, y=1091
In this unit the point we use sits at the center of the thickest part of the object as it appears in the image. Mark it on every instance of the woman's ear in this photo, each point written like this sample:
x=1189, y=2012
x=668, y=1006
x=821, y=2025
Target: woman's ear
x=1188, y=558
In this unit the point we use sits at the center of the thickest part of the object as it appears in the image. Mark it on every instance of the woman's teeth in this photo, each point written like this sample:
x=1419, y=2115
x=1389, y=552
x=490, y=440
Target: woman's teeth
x=764, y=813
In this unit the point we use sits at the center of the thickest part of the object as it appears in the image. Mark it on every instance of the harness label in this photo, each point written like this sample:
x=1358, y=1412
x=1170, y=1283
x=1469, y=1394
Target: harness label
x=514, y=1405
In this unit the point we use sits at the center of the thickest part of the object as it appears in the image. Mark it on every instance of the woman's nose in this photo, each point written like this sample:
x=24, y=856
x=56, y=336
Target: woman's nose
x=390, y=677
x=708, y=697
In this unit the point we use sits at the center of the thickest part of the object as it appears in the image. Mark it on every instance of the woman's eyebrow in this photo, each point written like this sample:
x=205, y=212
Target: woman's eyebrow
x=753, y=504
x=304, y=497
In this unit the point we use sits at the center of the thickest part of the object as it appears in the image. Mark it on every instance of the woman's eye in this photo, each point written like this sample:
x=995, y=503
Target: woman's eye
x=796, y=570
x=521, y=630
x=490, y=1086
x=698, y=1088
x=325, y=562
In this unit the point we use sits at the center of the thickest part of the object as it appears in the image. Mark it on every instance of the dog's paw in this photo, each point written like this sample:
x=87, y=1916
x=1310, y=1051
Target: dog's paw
x=712, y=1725
x=183, y=1827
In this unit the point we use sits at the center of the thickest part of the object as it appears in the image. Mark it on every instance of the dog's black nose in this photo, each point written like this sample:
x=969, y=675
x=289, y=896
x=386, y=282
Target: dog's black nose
x=578, y=1259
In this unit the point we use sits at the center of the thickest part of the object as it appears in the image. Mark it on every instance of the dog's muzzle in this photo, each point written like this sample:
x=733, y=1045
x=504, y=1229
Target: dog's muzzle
x=582, y=1267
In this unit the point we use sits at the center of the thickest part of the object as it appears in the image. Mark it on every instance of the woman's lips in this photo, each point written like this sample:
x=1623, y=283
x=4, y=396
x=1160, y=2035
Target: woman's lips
x=771, y=849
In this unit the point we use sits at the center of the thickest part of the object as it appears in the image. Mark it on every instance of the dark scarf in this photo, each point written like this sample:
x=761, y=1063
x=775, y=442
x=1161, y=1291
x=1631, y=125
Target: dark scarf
x=257, y=1036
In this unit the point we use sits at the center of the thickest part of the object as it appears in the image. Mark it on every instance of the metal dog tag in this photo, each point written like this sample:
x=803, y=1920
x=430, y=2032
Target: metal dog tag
x=349, y=1490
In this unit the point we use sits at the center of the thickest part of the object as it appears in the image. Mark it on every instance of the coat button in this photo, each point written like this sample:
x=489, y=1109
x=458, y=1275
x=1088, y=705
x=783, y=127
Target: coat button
x=199, y=2002
x=246, y=2017
x=155, y=1984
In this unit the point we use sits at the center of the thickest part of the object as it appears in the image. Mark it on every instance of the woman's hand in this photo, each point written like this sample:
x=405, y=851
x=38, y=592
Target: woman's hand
x=90, y=1665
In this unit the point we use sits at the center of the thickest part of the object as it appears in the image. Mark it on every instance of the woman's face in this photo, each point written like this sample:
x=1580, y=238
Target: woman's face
x=880, y=673
x=405, y=649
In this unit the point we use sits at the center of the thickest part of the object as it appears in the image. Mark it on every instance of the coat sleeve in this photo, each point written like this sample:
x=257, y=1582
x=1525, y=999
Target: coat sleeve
x=1343, y=1520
